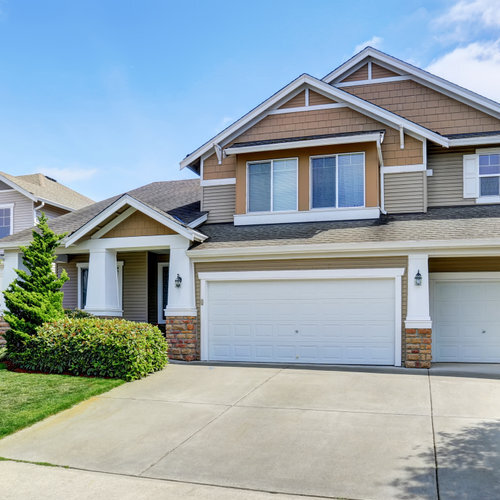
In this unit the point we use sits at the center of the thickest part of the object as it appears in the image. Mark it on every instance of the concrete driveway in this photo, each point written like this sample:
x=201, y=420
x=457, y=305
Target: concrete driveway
x=247, y=432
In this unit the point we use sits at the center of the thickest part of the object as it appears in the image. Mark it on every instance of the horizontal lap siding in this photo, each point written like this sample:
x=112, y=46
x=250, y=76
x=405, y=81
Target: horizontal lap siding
x=445, y=186
x=23, y=209
x=296, y=264
x=70, y=288
x=51, y=211
x=220, y=202
x=135, y=285
x=405, y=193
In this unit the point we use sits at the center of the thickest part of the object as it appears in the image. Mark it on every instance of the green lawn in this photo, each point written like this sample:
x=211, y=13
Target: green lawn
x=26, y=398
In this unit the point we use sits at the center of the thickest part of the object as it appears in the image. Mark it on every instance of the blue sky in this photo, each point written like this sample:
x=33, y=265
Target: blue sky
x=108, y=95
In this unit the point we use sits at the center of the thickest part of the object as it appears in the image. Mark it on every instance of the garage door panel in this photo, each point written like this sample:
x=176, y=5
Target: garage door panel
x=323, y=321
x=461, y=312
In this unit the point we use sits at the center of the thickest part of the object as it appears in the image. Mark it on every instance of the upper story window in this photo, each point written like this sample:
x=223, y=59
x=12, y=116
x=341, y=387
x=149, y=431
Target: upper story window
x=6, y=222
x=338, y=181
x=272, y=185
x=489, y=175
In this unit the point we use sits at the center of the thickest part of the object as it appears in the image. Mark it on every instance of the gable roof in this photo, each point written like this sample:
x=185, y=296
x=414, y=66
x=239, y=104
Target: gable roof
x=362, y=106
x=39, y=187
x=417, y=74
x=179, y=200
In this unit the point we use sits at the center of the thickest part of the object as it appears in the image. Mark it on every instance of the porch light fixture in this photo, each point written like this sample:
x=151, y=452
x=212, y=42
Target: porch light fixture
x=418, y=278
x=178, y=281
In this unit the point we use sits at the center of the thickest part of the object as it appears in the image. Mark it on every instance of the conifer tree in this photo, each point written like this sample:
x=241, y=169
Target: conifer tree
x=35, y=296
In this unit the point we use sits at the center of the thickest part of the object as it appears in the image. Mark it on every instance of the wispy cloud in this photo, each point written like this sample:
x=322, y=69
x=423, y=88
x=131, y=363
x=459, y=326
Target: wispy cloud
x=69, y=175
x=466, y=18
x=374, y=41
x=475, y=66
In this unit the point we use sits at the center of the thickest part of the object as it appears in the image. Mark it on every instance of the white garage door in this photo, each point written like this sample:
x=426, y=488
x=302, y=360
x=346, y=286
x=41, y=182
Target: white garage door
x=466, y=321
x=349, y=321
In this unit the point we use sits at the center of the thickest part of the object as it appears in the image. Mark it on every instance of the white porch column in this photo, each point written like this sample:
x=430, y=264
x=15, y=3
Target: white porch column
x=181, y=300
x=418, y=295
x=102, y=287
x=12, y=261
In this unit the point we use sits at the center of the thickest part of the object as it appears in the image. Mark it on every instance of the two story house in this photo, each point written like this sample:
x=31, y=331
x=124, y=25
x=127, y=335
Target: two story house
x=351, y=219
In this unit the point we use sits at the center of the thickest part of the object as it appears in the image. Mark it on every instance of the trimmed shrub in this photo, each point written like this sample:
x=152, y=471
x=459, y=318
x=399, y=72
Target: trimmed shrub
x=77, y=313
x=98, y=347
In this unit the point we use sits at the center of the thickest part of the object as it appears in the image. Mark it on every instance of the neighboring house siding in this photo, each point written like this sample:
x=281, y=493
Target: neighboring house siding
x=293, y=264
x=405, y=192
x=220, y=201
x=23, y=209
x=4, y=187
x=51, y=211
x=445, y=186
x=320, y=121
x=426, y=107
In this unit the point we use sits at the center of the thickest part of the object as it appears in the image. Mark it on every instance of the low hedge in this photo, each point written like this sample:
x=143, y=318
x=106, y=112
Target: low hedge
x=112, y=348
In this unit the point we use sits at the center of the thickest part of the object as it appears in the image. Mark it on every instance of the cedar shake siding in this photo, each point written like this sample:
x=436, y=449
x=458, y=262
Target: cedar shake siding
x=426, y=107
x=316, y=99
x=321, y=121
x=359, y=74
x=446, y=185
x=380, y=72
x=138, y=224
x=295, y=102
x=405, y=192
x=220, y=202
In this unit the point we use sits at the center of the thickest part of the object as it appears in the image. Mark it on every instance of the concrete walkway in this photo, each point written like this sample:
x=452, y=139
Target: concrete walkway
x=246, y=432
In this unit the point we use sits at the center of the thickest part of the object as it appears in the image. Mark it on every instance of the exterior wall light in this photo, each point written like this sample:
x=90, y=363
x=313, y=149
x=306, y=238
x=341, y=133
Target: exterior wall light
x=418, y=278
x=178, y=281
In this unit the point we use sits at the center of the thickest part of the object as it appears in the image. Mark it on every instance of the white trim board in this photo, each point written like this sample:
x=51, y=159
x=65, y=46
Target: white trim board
x=328, y=141
x=475, y=141
x=370, y=81
x=326, y=274
x=217, y=182
x=403, y=169
x=298, y=109
x=159, y=292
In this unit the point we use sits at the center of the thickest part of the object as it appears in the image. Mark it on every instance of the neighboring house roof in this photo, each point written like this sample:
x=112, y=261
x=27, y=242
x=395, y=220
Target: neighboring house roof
x=450, y=223
x=177, y=199
x=39, y=187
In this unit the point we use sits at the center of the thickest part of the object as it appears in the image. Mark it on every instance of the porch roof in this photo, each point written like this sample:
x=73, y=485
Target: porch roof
x=178, y=199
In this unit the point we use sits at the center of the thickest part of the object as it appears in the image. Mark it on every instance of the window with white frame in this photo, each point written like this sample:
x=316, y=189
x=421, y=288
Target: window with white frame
x=272, y=185
x=83, y=279
x=489, y=174
x=338, y=181
x=6, y=220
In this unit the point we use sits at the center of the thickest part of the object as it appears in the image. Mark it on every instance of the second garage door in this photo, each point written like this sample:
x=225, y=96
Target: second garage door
x=350, y=321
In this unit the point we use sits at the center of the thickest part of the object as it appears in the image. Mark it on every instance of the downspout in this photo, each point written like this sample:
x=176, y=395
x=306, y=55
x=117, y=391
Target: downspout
x=381, y=162
x=35, y=209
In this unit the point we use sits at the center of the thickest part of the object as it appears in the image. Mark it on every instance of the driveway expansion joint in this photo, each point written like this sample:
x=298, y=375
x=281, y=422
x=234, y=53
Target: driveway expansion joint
x=434, y=448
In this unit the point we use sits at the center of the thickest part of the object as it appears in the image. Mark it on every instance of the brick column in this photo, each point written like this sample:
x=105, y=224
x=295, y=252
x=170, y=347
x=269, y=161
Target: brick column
x=181, y=334
x=418, y=353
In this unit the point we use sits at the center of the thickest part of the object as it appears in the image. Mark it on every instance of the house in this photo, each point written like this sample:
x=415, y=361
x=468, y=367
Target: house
x=350, y=219
x=24, y=197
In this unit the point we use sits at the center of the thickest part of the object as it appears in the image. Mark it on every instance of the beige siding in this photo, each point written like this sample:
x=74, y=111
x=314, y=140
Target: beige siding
x=405, y=193
x=359, y=74
x=445, y=186
x=23, y=209
x=295, y=102
x=340, y=263
x=380, y=72
x=463, y=264
x=220, y=201
x=135, y=285
x=426, y=107
x=138, y=224
x=50, y=211
x=315, y=99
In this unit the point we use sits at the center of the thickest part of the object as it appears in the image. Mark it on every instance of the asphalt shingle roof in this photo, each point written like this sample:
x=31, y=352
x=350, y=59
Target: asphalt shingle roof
x=44, y=187
x=180, y=199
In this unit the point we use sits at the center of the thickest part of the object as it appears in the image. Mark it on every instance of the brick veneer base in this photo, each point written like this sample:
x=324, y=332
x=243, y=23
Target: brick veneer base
x=181, y=335
x=418, y=347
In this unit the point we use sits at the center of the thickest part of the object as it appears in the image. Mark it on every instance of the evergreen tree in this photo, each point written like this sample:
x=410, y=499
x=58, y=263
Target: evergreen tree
x=35, y=296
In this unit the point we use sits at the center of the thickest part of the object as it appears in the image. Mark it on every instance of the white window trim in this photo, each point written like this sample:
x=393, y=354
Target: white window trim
x=10, y=206
x=486, y=199
x=85, y=265
x=159, y=293
x=322, y=274
x=336, y=207
x=272, y=211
